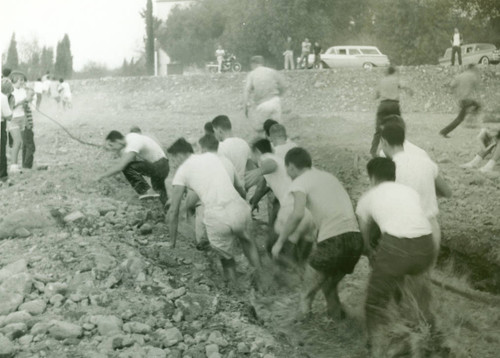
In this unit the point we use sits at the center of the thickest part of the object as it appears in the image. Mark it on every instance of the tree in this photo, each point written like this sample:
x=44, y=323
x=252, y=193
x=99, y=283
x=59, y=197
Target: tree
x=63, y=66
x=47, y=59
x=12, y=61
x=147, y=14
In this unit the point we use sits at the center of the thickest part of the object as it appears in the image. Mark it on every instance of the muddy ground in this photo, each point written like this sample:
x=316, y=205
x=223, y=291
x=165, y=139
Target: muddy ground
x=108, y=284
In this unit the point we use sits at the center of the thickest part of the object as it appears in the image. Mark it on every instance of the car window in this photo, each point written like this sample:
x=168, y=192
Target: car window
x=354, y=51
x=369, y=51
x=468, y=49
x=342, y=51
x=330, y=51
x=485, y=47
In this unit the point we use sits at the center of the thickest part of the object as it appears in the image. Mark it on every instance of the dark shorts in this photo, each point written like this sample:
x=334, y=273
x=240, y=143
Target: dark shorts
x=337, y=254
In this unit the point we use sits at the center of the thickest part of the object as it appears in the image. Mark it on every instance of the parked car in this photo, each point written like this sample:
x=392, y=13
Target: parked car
x=483, y=54
x=352, y=56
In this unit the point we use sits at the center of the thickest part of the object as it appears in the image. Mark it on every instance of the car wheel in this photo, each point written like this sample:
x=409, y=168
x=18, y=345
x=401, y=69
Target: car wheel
x=367, y=65
x=484, y=61
x=236, y=67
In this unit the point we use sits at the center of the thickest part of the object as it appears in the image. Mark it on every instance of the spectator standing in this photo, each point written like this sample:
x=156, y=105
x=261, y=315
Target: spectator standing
x=289, y=61
x=27, y=134
x=39, y=88
x=219, y=55
x=18, y=122
x=317, y=53
x=54, y=90
x=456, y=42
x=306, y=50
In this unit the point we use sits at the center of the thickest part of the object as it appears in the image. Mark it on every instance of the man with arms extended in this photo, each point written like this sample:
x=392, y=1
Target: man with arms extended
x=339, y=242
x=418, y=172
x=388, y=92
x=226, y=216
x=265, y=86
x=464, y=86
x=139, y=156
x=405, y=249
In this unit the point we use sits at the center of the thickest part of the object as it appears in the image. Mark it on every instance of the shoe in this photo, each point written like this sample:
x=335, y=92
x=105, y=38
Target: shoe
x=488, y=167
x=149, y=195
x=15, y=169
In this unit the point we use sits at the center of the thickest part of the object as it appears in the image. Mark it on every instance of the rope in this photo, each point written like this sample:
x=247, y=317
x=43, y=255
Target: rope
x=67, y=131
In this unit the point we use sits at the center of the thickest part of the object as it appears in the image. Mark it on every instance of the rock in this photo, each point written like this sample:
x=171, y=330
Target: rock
x=172, y=295
x=22, y=232
x=74, y=216
x=107, y=325
x=136, y=327
x=25, y=340
x=13, y=268
x=193, y=305
x=19, y=283
x=53, y=288
x=57, y=300
x=104, y=262
x=64, y=330
x=17, y=317
x=243, y=348
x=105, y=208
x=170, y=336
x=40, y=328
x=211, y=349
x=120, y=342
x=14, y=330
x=217, y=338
x=10, y=301
x=153, y=352
x=25, y=218
x=133, y=352
x=88, y=326
x=34, y=308
x=146, y=229
x=7, y=349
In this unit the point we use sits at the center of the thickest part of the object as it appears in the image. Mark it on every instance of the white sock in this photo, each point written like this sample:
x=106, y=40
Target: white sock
x=473, y=163
x=488, y=167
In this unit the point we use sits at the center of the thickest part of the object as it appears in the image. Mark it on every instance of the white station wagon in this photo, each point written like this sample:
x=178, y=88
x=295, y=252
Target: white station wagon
x=352, y=56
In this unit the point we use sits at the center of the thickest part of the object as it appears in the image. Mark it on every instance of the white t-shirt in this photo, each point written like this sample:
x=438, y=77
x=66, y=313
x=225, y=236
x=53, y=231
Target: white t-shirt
x=19, y=96
x=6, y=111
x=328, y=203
x=238, y=152
x=420, y=174
x=456, y=39
x=229, y=167
x=282, y=149
x=396, y=209
x=144, y=147
x=64, y=90
x=38, y=87
x=409, y=147
x=278, y=181
x=207, y=177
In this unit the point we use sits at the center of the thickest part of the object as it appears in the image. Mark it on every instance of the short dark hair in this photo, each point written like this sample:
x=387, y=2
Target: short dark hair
x=180, y=146
x=394, y=119
x=222, y=121
x=299, y=157
x=135, y=129
x=113, y=136
x=263, y=145
x=268, y=124
x=61, y=80
x=209, y=142
x=394, y=134
x=6, y=72
x=278, y=130
x=39, y=79
x=208, y=127
x=391, y=70
x=382, y=169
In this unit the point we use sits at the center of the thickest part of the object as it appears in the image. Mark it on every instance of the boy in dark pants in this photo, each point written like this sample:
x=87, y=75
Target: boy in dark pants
x=140, y=156
x=27, y=134
x=388, y=92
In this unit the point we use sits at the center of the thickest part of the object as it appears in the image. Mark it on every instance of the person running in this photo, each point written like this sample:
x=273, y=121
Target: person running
x=388, y=92
x=227, y=215
x=39, y=88
x=306, y=51
x=139, y=156
x=265, y=86
x=28, y=148
x=456, y=43
x=233, y=148
x=54, y=90
x=406, y=247
x=488, y=139
x=339, y=242
x=219, y=55
x=18, y=122
x=288, y=54
x=7, y=89
x=280, y=141
x=464, y=86
x=65, y=93
x=417, y=172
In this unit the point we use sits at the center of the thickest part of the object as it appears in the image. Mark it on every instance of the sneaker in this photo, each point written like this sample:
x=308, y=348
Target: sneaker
x=149, y=195
x=15, y=169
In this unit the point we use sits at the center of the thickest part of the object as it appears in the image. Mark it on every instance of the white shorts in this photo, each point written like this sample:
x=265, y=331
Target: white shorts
x=270, y=109
x=18, y=123
x=223, y=224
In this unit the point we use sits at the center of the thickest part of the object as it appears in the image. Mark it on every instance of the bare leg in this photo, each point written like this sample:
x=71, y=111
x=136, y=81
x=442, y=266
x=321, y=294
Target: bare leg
x=313, y=282
x=16, y=147
x=330, y=290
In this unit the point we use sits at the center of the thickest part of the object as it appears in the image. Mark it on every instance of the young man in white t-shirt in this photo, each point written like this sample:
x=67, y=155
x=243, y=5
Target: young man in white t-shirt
x=65, y=93
x=272, y=170
x=139, y=156
x=233, y=148
x=280, y=141
x=406, y=248
x=418, y=172
x=227, y=215
x=339, y=243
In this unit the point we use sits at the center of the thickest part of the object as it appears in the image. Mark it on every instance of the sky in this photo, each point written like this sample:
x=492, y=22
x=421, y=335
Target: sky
x=104, y=31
